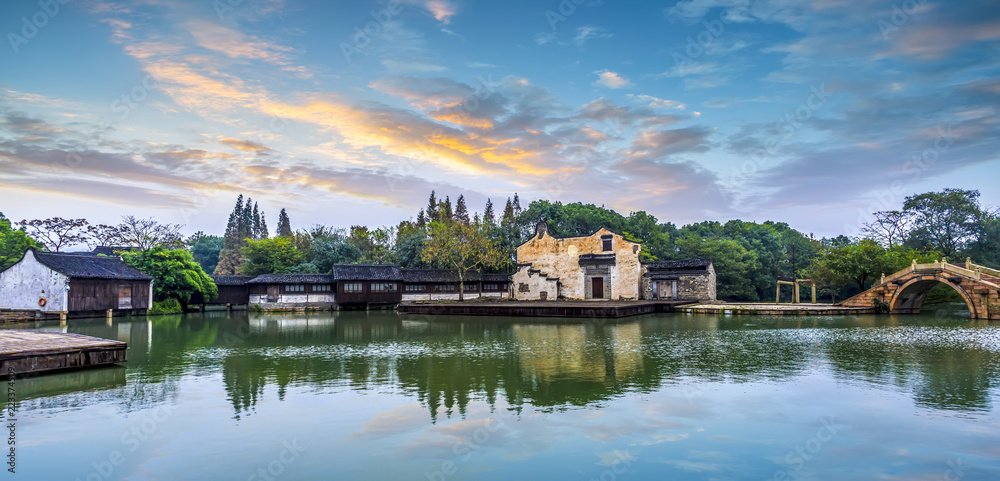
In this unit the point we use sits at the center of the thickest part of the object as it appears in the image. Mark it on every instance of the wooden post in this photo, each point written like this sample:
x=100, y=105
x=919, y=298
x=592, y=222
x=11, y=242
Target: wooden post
x=62, y=315
x=777, y=295
x=968, y=263
x=795, y=296
x=814, y=292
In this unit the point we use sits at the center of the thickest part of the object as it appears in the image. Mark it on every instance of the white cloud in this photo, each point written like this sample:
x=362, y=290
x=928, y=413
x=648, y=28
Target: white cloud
x=612, y=80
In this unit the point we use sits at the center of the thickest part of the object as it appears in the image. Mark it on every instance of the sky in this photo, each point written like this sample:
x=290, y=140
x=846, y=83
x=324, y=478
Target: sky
x=814, y=113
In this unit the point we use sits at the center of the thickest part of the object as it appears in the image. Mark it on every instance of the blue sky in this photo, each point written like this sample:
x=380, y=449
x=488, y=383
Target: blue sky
x=812, y=113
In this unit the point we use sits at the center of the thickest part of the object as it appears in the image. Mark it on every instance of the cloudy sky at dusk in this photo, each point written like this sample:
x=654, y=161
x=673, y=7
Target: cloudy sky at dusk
x=807, y=112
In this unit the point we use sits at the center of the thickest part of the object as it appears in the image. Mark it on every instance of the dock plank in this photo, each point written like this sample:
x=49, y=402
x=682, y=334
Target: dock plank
x=23, y=352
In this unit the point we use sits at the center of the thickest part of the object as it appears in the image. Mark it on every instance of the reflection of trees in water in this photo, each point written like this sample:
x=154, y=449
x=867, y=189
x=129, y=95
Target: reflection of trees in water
x=943, y=368
x=448, y=363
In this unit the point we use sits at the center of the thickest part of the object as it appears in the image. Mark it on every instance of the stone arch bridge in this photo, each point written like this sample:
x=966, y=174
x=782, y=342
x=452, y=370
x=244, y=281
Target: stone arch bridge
x=905, y=290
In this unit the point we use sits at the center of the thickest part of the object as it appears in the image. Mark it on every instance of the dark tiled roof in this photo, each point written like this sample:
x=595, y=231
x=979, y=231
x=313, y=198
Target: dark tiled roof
x=438, y=275
x=292, y=279
x=496, y=277
x=599, y=259
x=367, y=272
x=88, y=266
x=680, y=264
x=232, y=280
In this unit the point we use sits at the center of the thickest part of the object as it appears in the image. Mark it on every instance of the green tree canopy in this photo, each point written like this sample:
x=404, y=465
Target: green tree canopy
x=271, y=256
x=175, y=273
x=460, y=246
x=13, y=243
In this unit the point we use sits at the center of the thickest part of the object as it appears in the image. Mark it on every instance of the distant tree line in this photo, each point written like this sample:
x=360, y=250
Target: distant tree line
x=749, y=257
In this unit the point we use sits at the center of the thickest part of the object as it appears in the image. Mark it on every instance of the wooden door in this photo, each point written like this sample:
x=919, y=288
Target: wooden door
x=272, y=293
x=124, y=296
x=597, y=288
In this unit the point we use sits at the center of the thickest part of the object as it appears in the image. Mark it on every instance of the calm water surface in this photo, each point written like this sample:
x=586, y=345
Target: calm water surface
x=380, y=395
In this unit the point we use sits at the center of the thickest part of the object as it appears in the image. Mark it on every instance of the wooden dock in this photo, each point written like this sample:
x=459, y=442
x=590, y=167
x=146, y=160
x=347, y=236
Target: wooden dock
x=23, y=352
x=765, y=309
x=569, y=309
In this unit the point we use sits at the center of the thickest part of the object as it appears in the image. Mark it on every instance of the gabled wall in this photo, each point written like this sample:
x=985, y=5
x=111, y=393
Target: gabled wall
x=24, y=283
x=544, y=257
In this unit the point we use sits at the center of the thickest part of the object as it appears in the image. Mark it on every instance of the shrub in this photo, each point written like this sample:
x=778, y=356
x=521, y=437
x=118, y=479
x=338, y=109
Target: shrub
x=169, y=306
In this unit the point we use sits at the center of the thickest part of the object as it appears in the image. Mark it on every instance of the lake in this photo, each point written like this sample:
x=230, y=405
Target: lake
x=381, y=395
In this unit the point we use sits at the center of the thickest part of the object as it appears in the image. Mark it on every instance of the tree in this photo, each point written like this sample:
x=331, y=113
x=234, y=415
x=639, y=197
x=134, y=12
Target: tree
x=274, y=255
x=103, y=235
x=461, y=210
x=284, y=226
x=432, y=208
x=377, y=246
x=734, y=264
x=205, y=250
x=264, y=234
x=333, y=248
x=145, y=234
x=944, y=221
x=460, y=246
x=444, y=210
x=489, y=217
x=889, y=228
x=175, y=273
x=56, y=233
x=13, y=243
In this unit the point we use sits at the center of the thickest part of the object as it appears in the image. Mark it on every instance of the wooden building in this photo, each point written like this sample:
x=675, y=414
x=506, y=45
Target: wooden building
x=292, y=291
x=79, y=284
x=233, y=290
x=443, y=285
x=367, y=285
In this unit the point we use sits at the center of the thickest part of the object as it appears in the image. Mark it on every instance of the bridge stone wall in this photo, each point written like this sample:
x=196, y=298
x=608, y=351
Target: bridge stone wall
x=982, y=296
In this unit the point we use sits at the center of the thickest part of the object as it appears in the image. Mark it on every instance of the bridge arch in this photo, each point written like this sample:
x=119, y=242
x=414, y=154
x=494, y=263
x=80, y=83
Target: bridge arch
x=909, y=297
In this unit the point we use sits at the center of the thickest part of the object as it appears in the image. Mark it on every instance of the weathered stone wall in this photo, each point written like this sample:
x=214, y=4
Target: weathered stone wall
x=689, y=286
x=24, y=283
x=530, y=284
x=984, y=301
x=560, y=258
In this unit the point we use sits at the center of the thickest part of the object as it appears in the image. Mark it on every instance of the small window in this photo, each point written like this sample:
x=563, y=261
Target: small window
x=445, y=288
x=470, y=288
x=415, y=288
x=321, y=288
x=295, y=288
x=606, y=243
x=353, y=287
x=383, y=287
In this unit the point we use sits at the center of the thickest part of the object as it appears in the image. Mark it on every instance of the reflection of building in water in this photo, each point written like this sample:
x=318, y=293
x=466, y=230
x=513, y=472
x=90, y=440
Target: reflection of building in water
x=578, y=352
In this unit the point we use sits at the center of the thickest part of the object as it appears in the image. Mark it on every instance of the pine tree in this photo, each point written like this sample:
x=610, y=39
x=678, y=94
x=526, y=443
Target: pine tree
x=246, y=220
x=432, y=208
x=445, y=213
x=509, y=218
x=231, y=256
x=264, y=234
x=489, y=218
x=256, y=230
x=517, y=206
x=284, y=226
x=461, y=211
x=421, y=219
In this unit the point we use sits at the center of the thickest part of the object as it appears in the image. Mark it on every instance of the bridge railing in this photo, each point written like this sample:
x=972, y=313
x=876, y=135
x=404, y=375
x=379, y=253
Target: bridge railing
x=971, y=271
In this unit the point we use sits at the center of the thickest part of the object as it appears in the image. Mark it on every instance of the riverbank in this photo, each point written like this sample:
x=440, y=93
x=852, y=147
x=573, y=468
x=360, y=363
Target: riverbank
x=771, y=309
x=596, y=309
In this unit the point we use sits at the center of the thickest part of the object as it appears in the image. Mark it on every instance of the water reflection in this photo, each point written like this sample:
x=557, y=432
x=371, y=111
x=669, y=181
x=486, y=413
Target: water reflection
x=943, y=363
